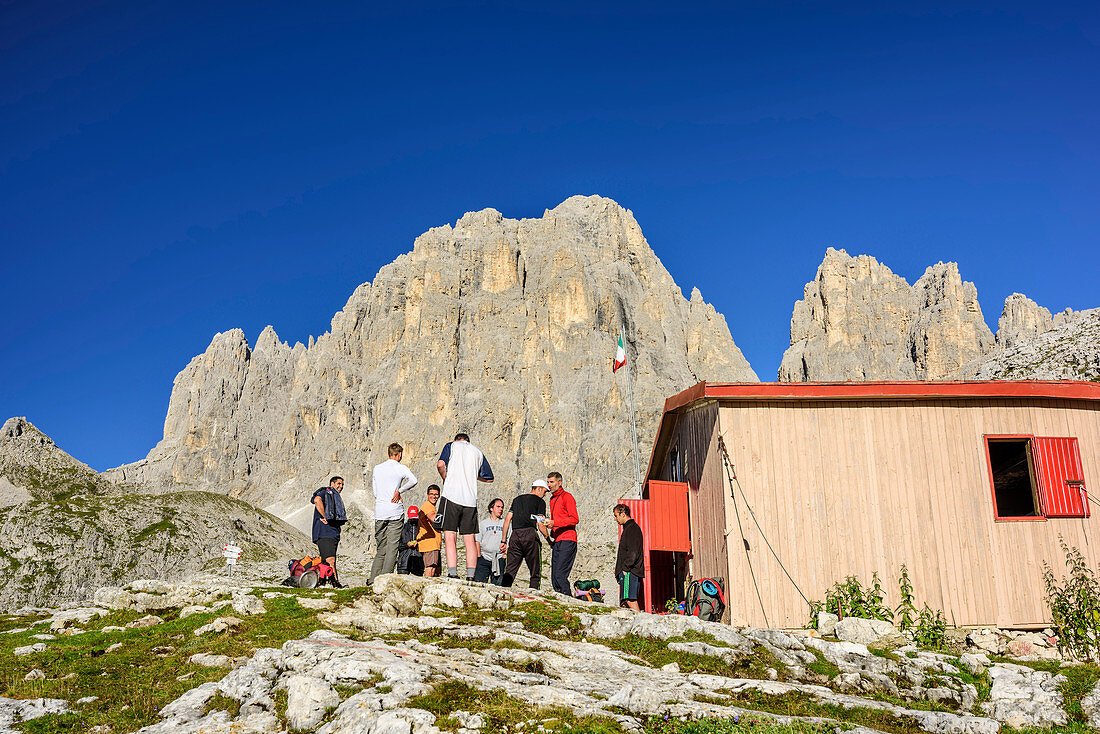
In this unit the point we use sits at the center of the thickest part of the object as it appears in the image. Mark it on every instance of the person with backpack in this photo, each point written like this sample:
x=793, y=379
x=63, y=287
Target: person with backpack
x=328, y=516
x=409, y=559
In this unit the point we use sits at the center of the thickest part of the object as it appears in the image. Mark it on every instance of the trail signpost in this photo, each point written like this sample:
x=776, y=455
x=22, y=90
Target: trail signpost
x=231, y=553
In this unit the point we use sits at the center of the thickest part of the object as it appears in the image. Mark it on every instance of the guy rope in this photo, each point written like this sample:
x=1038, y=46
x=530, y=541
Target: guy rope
x=731, y=476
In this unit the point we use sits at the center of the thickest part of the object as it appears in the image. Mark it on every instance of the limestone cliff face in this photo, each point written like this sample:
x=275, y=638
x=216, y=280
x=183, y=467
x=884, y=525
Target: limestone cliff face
x=857, y=320
x=1068, y=350
x=499, y=327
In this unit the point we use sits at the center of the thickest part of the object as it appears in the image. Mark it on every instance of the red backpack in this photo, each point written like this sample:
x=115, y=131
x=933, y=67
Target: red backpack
x=306, y=573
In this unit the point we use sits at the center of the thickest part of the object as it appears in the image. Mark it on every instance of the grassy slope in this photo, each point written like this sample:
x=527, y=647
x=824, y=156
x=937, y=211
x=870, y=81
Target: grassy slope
x=133, y=682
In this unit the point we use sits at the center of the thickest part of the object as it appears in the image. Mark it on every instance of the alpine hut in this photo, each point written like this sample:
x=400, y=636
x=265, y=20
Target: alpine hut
x=783, y=489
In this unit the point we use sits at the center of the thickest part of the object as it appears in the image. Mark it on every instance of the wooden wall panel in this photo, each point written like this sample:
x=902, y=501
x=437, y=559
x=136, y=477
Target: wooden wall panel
x=855, y=487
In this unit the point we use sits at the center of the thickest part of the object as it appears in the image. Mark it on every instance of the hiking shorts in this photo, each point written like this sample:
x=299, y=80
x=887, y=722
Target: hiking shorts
x=431, y=560
x=458, y=518
x=630, y=587
x=326, y=547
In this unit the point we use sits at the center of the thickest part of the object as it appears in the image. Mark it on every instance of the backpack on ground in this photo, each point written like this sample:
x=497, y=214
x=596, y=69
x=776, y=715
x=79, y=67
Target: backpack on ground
x=588, y=591
x=306, y=573
x=706, y=599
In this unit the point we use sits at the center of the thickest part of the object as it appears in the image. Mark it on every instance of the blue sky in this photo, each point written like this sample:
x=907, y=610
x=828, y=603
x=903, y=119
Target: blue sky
x=168, y=173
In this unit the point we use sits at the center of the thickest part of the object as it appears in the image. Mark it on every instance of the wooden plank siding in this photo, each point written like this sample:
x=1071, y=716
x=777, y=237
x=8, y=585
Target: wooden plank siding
x=863, y=485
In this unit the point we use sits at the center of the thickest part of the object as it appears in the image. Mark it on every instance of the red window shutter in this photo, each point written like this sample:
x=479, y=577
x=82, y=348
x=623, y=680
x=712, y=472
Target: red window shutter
x=668, y=516
x=1061, y=480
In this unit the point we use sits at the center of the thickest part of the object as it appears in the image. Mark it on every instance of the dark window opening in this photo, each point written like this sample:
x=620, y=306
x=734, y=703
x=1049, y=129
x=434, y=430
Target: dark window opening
x=1013, y=478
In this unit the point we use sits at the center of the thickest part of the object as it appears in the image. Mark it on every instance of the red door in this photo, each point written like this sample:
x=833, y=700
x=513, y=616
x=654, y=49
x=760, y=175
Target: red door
x=668, y=516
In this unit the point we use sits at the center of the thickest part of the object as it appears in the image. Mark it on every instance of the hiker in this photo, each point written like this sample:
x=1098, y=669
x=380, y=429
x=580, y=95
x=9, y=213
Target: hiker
x=328, y=516
x=490, y=560
x=409, y=559
x=629, y=563
x=390, y=479
x=563, y=533
x=526, y=518
x=462, y=466
x=427, y=537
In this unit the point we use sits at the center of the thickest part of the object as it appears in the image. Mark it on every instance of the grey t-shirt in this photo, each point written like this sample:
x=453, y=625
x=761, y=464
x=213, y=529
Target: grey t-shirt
x=490, y=535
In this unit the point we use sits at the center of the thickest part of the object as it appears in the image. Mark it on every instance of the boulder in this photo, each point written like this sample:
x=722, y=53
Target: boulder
x=307, y=700
x=863, y=631
x=826, y=623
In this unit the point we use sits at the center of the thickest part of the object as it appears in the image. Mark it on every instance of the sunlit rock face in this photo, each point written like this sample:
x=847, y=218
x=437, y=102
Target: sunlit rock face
x=857, y=320
x=501, y=328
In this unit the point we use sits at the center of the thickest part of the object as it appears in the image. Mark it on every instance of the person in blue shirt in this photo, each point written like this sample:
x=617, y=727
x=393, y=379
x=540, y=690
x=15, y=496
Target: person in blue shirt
x=326, y=534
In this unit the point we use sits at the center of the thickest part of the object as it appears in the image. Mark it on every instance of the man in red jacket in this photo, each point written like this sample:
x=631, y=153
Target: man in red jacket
x=563, y=533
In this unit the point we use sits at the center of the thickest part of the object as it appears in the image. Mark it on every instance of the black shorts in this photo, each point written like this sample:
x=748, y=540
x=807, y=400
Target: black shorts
x=326, y=547
x=458, y=517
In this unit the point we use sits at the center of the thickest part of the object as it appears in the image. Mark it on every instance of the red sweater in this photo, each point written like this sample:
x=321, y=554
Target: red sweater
x=563, y=510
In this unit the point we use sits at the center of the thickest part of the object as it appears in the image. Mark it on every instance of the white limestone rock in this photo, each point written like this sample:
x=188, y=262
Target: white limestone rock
x=863, y=631
x=859, y=321
x=149, y=620
x=17, y=710
x=221, y=624
x=29, y=649
x=1068, y=351
x=307, y=700
x=826, y=623
x=1022, y=697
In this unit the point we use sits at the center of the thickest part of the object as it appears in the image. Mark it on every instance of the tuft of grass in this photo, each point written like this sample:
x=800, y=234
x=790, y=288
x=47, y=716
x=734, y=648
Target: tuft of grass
x=795, y=703
x=502, y=711
x=222, y=702
x=657, y=654
x=821, y=666
x=733, y=725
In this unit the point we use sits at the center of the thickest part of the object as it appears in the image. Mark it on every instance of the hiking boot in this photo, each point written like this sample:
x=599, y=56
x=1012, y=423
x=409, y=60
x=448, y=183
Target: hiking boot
x=335, y=584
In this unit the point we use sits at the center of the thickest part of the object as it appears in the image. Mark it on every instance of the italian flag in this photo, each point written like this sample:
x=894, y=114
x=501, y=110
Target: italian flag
x=620, y=356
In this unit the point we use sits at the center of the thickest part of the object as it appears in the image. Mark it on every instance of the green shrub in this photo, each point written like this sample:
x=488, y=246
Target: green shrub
x=1075, y=605
x=906, y=610
x=849, y=598
x=931, y=628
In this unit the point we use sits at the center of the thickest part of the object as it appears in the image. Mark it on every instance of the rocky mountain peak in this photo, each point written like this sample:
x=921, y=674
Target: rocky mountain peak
x=858, y=320
x=504, y=328
x=17, y=427
x=32, y=466
x=1020, y=319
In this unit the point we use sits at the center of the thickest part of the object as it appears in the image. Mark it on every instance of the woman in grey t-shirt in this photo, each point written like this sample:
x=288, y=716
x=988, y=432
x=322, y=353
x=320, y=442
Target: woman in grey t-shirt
x=490, y=562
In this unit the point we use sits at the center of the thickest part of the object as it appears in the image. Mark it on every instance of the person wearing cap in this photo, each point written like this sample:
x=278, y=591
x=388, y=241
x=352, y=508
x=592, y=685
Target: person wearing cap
x=391, y=479
x=563, y=533
x=526, y=519
x=490, y=561
x=409, y=559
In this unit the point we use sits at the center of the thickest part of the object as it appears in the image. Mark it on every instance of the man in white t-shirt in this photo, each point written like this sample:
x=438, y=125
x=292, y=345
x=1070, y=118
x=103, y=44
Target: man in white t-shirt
x=391, y=479
x=462, y=466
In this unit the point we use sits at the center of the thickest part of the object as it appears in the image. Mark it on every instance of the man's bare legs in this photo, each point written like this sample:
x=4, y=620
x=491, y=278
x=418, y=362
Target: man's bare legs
x=469, y=541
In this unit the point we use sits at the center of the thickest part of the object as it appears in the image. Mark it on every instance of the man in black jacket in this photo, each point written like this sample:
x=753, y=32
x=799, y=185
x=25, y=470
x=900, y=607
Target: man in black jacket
x=630, y=562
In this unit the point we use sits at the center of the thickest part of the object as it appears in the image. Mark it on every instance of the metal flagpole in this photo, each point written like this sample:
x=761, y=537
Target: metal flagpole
x=633, y=422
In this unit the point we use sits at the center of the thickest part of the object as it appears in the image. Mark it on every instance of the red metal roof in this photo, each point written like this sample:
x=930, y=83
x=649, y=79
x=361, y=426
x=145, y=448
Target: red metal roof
x=1061, y=390
x=749, y=391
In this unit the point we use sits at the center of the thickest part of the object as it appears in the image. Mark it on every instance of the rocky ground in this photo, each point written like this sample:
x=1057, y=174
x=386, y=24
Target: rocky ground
x=414, y=655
